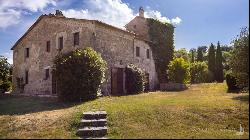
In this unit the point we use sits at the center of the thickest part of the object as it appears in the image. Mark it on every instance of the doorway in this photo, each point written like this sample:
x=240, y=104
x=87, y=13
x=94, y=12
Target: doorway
x=117, y=81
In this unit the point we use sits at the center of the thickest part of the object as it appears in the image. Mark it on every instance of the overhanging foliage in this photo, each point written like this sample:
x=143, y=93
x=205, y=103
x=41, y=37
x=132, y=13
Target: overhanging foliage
x=162, y=37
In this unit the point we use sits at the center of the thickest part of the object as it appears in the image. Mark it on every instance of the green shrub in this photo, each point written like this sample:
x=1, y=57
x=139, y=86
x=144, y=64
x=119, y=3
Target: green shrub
x=231, y=81
x=5, y=85
x=135, y=82
x=5, y=74
x=178, y=71
x=79, y=74
x=199, y=72
x=239, y=61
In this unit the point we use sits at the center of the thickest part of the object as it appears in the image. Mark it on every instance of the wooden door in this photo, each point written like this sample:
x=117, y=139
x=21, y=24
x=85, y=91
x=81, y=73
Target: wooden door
x=54, y=87
x=146, y=82
x=117, y=81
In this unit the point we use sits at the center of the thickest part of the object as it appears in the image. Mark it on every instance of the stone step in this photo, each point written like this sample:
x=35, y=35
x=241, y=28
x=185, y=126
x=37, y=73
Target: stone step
x=93, y=138
x=89, y=132
x=94, y=115
x=97, y=123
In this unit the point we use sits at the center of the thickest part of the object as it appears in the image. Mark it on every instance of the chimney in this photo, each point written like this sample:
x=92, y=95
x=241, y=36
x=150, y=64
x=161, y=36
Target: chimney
x=141, y=12
x=59, y=13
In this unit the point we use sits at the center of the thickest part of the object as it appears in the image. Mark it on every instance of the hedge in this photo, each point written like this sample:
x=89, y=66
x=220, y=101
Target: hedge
x=135, y=82
x=79, y=74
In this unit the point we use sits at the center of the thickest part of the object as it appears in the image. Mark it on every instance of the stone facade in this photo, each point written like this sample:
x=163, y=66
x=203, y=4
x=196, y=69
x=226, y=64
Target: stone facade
x=116, y=46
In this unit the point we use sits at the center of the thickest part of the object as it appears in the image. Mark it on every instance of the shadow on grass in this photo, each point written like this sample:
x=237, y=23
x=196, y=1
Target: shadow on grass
x=243, y=98
x=19, y=105
x=233, y=91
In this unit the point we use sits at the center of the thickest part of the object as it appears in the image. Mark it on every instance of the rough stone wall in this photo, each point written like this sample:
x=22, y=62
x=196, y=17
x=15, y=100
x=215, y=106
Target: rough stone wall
x=139, y=26
x=48, y=29
x=116, y=47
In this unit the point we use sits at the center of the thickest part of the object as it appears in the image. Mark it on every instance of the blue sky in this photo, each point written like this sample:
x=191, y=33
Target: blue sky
x=198, y=22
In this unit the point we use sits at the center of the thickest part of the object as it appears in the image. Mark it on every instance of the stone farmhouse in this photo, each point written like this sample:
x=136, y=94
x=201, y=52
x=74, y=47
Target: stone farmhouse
x=34, y=52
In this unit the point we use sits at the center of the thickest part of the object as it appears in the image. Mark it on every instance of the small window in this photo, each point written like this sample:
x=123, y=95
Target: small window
x=26, y=77
x=138, y=51
x=48, y=46
x=27, y=52
x=60, y=43
x=135, y=26
x=76, y=38
x=46, y=74
x=148, y=54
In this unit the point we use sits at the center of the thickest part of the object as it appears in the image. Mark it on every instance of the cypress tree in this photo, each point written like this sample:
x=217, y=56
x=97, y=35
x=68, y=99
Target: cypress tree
x=191, y=54
x=199, y=54
x=219, y=66
x=211, y=62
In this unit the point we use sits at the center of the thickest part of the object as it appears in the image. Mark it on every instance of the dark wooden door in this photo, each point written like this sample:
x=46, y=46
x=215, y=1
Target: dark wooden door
x=146, y=82
x=54, y=87
x=120, y=81
x=117, y=81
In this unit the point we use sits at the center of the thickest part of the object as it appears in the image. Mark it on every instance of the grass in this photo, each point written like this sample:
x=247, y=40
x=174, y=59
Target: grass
x=203, y=111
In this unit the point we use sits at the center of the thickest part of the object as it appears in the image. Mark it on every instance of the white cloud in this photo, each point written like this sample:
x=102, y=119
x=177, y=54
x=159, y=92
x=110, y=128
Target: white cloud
x=9, y=17
x=9, y=56
x=113, y=12
x=156, y=15
x=176, y=20
x=31, y=5
x=12, y=10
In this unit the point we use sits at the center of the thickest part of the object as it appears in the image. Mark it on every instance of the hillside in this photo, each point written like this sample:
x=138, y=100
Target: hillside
x=203, y=111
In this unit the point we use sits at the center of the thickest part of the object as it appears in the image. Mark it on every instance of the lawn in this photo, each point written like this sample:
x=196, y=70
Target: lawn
x=202, y=111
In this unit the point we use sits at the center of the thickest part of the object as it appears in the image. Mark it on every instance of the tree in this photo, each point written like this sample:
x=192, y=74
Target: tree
x=199, y=54
x=181, y=53
x=5, y=74
x=202, y=53
x=211, y=62
x=226, y=55
x=162, y=36
x=178, y=71
x=240, y=58
x=219, y=67
x=135, y=82
x=199, y=72
x=79, y=74
x=192, y=54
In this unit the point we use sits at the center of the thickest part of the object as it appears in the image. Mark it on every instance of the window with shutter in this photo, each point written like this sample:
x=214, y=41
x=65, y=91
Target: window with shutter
x=148, y=54
x=27, y=52
x=76, y=38
x=48, y=46
x=60, y=43
x=46, y=74
x=138, y=51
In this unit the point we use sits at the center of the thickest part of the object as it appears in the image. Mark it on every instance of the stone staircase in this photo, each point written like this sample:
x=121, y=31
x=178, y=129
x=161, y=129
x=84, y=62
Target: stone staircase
x=93, y=125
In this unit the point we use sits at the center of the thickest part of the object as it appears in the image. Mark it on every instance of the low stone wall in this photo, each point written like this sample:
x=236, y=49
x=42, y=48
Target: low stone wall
x=172, y=87
x=34, y=95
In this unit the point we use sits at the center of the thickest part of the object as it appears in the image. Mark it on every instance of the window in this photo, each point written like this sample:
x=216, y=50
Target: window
x=148, y=54
x=26, y=77
x=134, y=26
x=46, y=74
x=27, y=52
x=48, y=46
x=76, y=38
x=60, y=43
x=138, y=51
